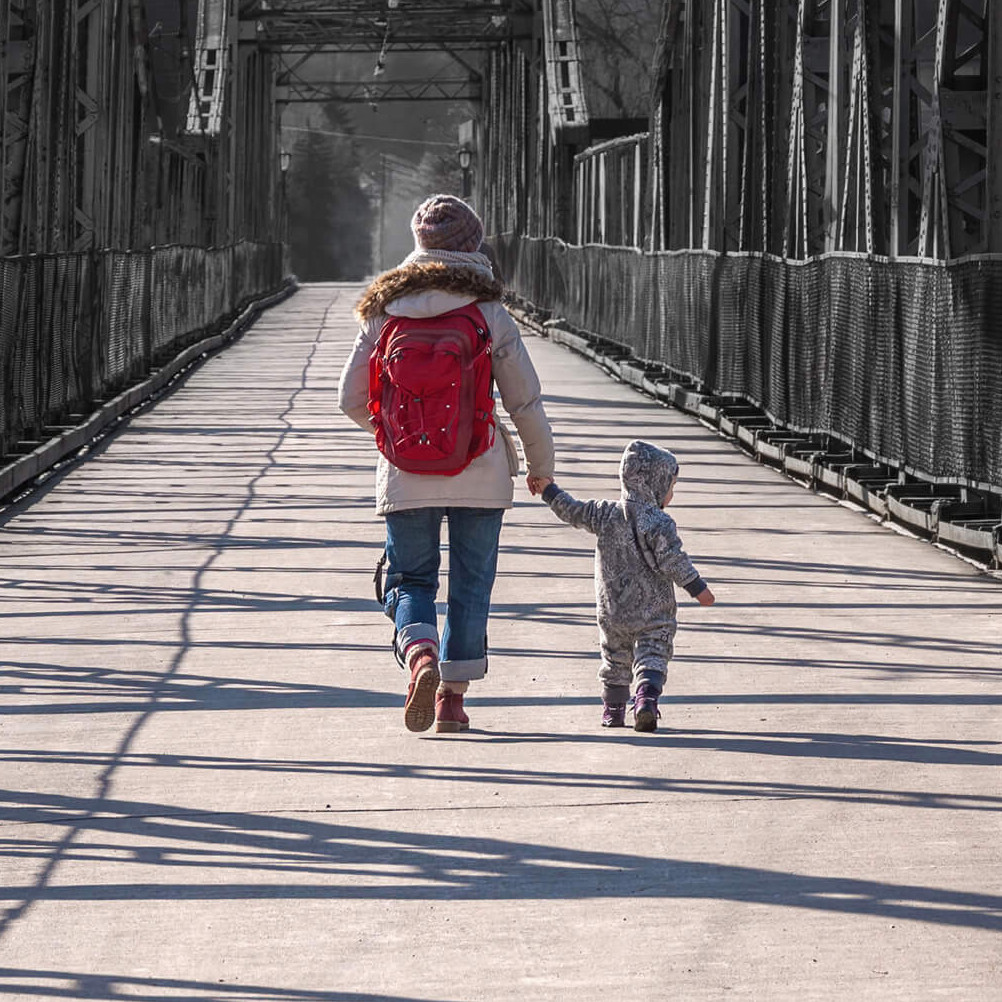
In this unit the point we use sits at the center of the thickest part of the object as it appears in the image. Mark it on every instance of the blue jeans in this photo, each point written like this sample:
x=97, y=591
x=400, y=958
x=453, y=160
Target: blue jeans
x=413, y=550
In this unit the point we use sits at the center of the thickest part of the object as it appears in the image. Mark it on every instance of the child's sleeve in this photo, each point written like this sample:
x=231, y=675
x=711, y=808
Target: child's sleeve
x=674, y=562
x=581, y=514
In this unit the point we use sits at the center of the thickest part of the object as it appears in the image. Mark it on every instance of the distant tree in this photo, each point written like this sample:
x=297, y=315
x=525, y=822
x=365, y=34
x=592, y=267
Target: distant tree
x=311, y=209
x=440, y=173
x=330, y=216
x=399, y=183
x=618, y=39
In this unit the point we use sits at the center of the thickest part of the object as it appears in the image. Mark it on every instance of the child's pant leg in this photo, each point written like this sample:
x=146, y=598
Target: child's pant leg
x=616, y=672
x=652, y=651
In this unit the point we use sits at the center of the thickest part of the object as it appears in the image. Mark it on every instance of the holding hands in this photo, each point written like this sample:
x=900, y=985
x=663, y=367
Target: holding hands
x=537, y=485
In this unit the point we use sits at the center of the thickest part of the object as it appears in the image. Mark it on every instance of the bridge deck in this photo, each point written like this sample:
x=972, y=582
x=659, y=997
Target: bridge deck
x=211, y=793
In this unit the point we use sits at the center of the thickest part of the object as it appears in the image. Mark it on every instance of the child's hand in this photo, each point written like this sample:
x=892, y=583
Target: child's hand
x=537, y=485
x=706, y=597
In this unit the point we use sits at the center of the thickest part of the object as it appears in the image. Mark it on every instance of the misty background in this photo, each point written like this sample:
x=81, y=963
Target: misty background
x=357, y=171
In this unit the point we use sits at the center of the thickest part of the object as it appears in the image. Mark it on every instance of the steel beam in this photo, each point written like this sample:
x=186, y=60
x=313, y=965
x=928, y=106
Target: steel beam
x=795, y=229
x=17, y=31
x=210, y=67
x=92, y=26
x=381, y=9
x=291, y=89
x=364, y=25
x=838, y=80
x=567, y=109
x=714, y=154
x=855, y=229
x=302, y=46
x=993, y=32
x=733, y=195
x=963, y=102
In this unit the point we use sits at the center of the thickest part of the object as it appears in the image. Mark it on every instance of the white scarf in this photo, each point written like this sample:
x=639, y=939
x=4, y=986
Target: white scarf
x=473, y=260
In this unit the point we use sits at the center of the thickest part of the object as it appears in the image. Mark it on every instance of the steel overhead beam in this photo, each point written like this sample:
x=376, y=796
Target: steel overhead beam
x=492, y=14
x=370, y=92
x=309, y=45
x=364, y=26
x=312, y=38
x=251, y=9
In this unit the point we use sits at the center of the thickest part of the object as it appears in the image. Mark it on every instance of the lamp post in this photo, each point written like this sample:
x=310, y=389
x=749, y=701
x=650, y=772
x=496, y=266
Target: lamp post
x=465, y=159
x=284, y=162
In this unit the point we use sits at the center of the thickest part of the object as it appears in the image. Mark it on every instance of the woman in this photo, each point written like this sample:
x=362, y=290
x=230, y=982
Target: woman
x=445, y=272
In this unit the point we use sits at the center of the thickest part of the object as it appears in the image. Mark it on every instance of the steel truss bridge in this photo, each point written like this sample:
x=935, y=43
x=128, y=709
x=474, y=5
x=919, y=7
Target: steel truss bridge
x=807, y=234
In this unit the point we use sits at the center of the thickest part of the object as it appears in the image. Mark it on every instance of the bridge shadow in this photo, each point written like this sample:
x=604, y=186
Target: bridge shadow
x=80, y=598
x=163, y=690
x=337, y=862
x=29, y=983
x=787, y=744
x=252, y=853
x=860, y=576
x=628, y=785
x=631, y=403
x=161, y=541
x=102, y=690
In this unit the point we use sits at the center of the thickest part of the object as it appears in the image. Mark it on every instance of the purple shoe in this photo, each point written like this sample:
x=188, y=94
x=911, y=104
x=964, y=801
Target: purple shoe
x=613, y=714
x=645, y=708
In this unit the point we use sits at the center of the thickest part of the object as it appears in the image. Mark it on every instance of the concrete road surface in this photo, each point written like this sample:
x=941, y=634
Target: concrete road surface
x=208, y=791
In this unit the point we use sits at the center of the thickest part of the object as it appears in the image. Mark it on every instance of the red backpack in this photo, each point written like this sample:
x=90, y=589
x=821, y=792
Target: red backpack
x=431, y=393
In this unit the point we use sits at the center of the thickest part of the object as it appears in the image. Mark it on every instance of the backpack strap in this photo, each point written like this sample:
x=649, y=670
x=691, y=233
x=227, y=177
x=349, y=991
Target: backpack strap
x=377, y=578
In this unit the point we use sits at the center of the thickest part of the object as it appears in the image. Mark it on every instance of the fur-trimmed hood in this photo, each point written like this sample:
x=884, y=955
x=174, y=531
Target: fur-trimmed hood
x=413, y=277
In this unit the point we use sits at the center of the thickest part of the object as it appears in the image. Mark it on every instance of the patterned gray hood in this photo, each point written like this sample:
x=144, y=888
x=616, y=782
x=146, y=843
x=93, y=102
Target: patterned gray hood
x=647, y=473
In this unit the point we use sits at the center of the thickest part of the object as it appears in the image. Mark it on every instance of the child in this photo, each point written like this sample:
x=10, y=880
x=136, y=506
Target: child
x=638, y=556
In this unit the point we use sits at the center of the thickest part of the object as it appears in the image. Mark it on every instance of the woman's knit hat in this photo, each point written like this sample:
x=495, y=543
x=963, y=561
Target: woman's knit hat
x=444, y=222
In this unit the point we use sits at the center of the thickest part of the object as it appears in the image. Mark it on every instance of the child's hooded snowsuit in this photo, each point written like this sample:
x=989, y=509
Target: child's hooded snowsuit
x=638, y=560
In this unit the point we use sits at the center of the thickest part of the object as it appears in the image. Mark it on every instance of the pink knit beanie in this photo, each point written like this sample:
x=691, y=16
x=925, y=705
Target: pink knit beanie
x=444, y=222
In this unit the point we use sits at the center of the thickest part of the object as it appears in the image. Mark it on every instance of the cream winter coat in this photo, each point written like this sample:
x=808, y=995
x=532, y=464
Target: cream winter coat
x=424, y=291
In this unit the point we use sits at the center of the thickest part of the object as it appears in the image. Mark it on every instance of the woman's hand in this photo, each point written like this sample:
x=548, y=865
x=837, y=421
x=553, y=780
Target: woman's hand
x=537, y=485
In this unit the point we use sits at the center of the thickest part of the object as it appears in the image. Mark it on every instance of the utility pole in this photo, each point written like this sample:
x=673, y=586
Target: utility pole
x=382, y=212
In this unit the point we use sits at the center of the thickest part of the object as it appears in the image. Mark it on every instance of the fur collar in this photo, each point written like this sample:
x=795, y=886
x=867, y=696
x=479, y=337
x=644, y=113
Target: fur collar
x=420, y=277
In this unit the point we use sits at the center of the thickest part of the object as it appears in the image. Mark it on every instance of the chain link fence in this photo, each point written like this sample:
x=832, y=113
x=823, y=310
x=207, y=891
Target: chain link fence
x=902, y=359
x=75, y=329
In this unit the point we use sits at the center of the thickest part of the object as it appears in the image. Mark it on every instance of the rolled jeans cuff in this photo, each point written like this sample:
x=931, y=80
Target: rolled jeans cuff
x=462, y=671
x=416, y=633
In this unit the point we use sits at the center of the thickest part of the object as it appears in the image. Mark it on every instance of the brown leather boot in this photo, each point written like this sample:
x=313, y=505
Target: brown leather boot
x=450, y=716
x=419, y=709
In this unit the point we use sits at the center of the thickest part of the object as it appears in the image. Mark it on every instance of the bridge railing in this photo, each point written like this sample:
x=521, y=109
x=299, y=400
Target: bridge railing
x=610, y=182
x=898, y=359
x=77, y=328
x=797, y=227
